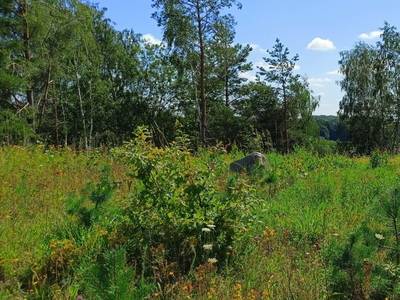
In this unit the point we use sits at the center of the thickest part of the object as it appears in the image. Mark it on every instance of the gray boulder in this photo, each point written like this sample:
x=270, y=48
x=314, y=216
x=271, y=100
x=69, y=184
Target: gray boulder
x=248, y=162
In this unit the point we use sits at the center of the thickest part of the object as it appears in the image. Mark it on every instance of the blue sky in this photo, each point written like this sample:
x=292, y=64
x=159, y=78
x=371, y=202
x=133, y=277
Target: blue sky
x=316, y=30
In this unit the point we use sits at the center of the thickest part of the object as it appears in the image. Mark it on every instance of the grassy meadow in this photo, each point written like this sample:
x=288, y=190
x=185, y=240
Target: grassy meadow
x=140, y=222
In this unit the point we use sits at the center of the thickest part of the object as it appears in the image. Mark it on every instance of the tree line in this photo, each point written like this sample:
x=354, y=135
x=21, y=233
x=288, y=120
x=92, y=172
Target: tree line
x=370, y=106
x=68, y=77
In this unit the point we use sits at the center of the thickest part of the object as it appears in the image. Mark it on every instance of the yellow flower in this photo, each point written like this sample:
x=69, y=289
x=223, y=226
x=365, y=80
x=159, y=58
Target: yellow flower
x=171, y=273
x=7, y=217
x=103, y=232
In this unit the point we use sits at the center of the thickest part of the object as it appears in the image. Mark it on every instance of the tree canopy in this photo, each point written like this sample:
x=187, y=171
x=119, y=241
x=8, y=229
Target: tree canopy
x=68, y=77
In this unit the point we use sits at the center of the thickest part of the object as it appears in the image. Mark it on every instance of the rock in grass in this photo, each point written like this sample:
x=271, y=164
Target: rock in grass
x=248, y=162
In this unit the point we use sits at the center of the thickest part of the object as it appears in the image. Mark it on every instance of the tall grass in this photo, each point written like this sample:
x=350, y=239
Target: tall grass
x=145, y=223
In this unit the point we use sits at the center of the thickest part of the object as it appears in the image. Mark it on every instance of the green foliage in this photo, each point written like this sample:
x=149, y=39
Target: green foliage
x=177, y=210
x=331, y=128
x=109, y=277
x=173, y=223
x=350, y=267
x=14, y=129
x=370, y=106
x=102, y=192
x=379, y=159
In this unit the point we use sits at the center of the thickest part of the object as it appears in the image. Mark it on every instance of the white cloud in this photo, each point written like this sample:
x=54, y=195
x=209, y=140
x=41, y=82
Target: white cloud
x=151, y=39
x=254, y=46
x=334, y=72
x=262, y=64
x=257, y=47
x=319, y=44
x=321, y=94
x=371, y=35
x=318, y=82
x=249, y=76
x=296, y=67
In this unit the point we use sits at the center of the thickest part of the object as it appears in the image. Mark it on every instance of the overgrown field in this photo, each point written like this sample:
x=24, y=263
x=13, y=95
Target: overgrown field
x=139, y=222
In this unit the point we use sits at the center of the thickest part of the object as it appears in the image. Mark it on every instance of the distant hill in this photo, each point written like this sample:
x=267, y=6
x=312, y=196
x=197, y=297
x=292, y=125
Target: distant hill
x=331, y=128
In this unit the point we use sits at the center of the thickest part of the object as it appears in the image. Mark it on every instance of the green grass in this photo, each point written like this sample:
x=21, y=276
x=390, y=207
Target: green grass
x=140, y=222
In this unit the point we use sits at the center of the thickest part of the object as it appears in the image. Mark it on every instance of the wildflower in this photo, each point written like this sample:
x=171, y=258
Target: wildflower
x=171, y=273
x=211, y=226
x=206, y=229
x=103, y=232
x=7, y=216
x=212, y=260
x=79, y=297
x=379, y=236
x=207, y=247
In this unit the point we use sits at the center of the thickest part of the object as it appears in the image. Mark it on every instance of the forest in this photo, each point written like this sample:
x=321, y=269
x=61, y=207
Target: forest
x=69, y=78
x=115, y=154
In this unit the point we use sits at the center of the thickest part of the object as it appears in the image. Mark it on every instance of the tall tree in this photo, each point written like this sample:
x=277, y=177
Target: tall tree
x=227, y=60
x=371, y=101
x=19, y=18
x=389, y=77
x=259, y=107
x=362, y=105
x=188, y=23
x=280, y=72
x=301, y=105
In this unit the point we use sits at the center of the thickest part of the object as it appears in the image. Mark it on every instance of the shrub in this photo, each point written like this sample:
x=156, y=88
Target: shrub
x=178, y=213
x=379, y=159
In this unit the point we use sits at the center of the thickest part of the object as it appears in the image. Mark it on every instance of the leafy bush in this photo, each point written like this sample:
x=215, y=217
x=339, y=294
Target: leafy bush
x=379, y=159
x=13, y=129
x=177, y=210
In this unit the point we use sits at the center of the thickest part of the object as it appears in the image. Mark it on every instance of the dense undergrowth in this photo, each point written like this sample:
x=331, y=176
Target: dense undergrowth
x=140, y=222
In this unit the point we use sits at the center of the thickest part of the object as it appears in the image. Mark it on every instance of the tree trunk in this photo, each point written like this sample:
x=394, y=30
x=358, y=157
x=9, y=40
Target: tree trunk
x=55, y=114
x=91, y=115
x=202, y=92
x=285, y=119
x=81, y=108
x=226, y=88
x=23, y=9
x=64, y=117
x=46, y=96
